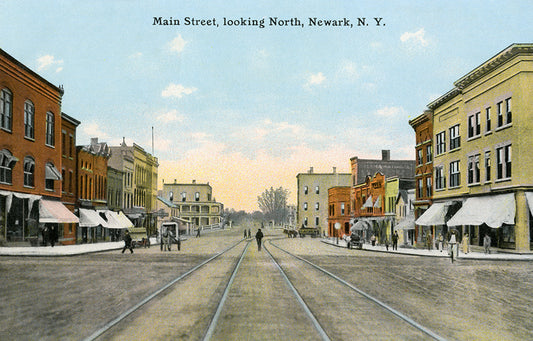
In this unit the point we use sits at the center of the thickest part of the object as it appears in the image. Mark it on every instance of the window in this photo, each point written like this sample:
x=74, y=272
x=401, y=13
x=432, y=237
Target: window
x=171, y=196
x=63, y=184
x=305, y=206
x=474, y=127
x=429, y=156
x=508, y=112
x=342, y=208
x=419, y=156
x=440, y=179
x=420, y=188
x=305, y=221
x=473, y=169
x=70, y=183
x=499, y=112
x=183, y=196
x=429, y=187
x=197, y=196
x=6, y=110
x=503, y=161
x=317, y=190
x=306, y=190
x=455, y=175
x=50, y=129
x=64, y=143
x=455, y=138
x=51, y=175
x=487, y=166
x=7, y=162
x=316, y=221
x=317, y=206
x=29, y=119
x=487, y=114
x=441, y=142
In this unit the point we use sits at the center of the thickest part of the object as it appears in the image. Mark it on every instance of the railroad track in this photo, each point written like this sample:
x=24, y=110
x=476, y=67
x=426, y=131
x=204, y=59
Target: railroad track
x=317, y=323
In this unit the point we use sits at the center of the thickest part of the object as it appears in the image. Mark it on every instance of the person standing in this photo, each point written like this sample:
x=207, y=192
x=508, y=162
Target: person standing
x=395, y=240
x=441, y=240
x=466, y=243
x=127, y=242
x=486, y=243
x=249, y=233
x=373, y=240
x=428, y=241
x=245, y=233
x=258, y=238
x=53, y=234
x=198, y=232
x=453, y=244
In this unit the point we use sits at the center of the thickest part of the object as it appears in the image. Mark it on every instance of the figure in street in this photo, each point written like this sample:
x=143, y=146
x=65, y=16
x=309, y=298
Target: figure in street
x=249, y=233
x=453, y=244
x=486, y=243
x=441, y=240
x=395, y=240
x=373, y=240
x=127, y=242
x=198, y=232
x=168, y=240
x=466, y=243
x=245, y=233
x=428, y=241
x=53, y=234
x=258, y=237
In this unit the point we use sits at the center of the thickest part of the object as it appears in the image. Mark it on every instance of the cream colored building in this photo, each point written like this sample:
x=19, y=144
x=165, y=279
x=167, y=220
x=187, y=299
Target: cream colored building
x=312, y=205
x=482, y=152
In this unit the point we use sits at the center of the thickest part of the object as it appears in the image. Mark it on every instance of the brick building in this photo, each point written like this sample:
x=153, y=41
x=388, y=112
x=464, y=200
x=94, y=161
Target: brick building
x=339, y=210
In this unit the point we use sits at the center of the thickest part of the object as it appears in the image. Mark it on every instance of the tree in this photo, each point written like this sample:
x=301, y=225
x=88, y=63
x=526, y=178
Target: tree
x=273, y=203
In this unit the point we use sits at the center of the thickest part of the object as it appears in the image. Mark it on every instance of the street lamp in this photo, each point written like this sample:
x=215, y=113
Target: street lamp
x=337, y=227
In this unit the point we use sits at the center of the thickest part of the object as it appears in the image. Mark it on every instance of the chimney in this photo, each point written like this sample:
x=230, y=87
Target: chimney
x=194, y=181
x=94, y=141
x=385, y=155
x=334, y=170
x=310, y=170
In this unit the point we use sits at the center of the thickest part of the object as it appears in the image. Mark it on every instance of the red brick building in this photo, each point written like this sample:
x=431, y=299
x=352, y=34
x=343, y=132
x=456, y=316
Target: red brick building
x=30, y=155
x=69, y=192
x=368, y=198
x=339, y=210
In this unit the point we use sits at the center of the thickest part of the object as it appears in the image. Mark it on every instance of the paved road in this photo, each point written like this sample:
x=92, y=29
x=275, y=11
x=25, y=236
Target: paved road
x=69, y=298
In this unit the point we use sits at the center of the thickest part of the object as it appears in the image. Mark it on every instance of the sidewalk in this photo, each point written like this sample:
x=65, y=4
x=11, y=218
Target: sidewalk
x=436, y=253
x=60, y=250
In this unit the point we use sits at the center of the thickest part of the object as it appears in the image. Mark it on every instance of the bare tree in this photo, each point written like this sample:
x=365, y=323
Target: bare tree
x=273, y=204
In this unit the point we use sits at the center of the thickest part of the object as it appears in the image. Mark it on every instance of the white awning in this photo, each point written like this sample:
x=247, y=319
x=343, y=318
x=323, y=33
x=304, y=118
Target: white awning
x=377, y=204
x=124, y=220
x=529, y=198
x=55, y=212
x=493, y=210
x=89, y=218
x=368, y=203
x=113, y=221
x=434, y=215
x=51, y=172
x=408, y=223
x=360, y=225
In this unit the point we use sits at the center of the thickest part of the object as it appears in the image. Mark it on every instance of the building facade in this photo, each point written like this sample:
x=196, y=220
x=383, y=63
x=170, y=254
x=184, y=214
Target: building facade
x=312, y=197
x=195, y=202
x=339, y=210
x=30, y=156
x=423, y=127
x=482, y=158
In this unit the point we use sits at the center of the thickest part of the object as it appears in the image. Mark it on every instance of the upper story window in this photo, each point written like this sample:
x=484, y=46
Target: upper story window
x=171, y=196
x=51, y=175
x=6, y=109
x=420, y=188
x=317, y=206
x=503, y=162
x=440, y=179
x=197, y=196
x=487, y=166
x=455, y=138
x=183, y=196
x=508, y=111
x=429, y=187
x=7, y=162
x=419, y=156
x=455, y=174
x=429, y=154
x=29, y=171
x=29, y=120
x=317, y=190
x=50, y=129
x=474, y=126
x=306, y=190
x=441, y=142
x=305, y=206
x=473, y=169
x=487, y=120
x=342, y=208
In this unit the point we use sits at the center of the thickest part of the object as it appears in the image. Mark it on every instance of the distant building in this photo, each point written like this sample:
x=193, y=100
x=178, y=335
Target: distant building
x=195, y=202
x=312, y=197
x=361, y=168
x=339, y=210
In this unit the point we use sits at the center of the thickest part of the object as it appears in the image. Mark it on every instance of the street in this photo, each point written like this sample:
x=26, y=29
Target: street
x=69, y=298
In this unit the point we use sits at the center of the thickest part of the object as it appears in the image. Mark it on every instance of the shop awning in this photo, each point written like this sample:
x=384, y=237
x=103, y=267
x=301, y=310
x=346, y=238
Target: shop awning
x=55, y=212
x=89, y=218
x=408, y=223
x=529, y=198
x=124, y=220
x=113, y=221
x=377, y=204
x=434, y=215
x=493, y=210
x=51, y=172
x=368, y=203
x=360, y=225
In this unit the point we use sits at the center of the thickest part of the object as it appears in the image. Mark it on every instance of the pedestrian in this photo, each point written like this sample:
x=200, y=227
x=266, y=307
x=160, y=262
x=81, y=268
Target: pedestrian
x=258, y=237
x=373, y=240
x=395, y=240
x=245, y=233
x=168, y=240
x=466, y=243
x=441, y=240
x=428, y=241
x=178, y=242
x=53, y=234
x=127, y=242
x=453, y=244
x=249, y=233
x=387, y=243
x=486, y=243
x=198, y=232
x=161, y=239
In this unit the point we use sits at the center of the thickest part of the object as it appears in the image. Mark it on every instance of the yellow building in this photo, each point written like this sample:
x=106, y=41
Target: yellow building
x=482, y=158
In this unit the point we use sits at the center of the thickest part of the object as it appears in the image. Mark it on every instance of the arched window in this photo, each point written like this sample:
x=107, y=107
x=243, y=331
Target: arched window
x=7, y=162
x=6, y=109
x=29, y=171
x=29, y=119
x=50, y=129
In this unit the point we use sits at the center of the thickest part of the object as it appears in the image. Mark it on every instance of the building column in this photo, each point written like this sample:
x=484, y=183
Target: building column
x=521, y=222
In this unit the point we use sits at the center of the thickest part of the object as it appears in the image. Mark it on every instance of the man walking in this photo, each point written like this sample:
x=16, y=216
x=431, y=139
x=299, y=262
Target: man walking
x=486, y=243
x=127, y=242
x=395, y=240
x=258, y=237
